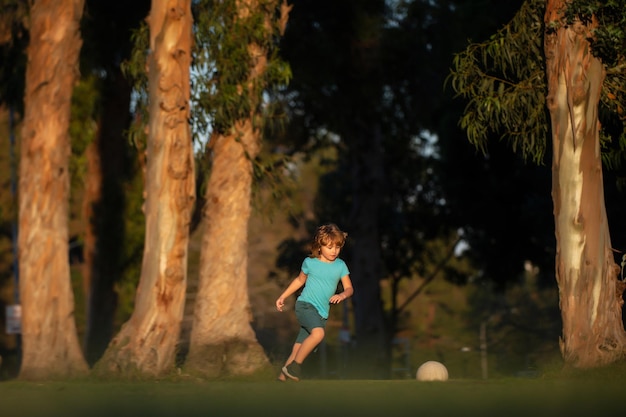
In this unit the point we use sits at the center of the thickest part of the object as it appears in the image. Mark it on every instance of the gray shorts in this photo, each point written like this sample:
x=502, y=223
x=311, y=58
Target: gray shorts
x=309, y=319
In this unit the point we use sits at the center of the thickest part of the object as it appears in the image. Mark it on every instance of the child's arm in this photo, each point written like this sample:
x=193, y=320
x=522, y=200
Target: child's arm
x=346, y=282
x=295, y=285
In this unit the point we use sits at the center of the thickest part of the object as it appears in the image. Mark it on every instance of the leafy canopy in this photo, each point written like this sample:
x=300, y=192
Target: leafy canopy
x=504, y=79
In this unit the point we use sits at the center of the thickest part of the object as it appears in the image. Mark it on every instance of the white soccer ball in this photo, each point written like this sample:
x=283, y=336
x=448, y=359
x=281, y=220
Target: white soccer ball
x=432, y=371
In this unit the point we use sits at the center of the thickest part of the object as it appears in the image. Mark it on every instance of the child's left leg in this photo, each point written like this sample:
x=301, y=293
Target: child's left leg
x=294, y=351
x=292, y=368
x=311, y=334
x=309, y=344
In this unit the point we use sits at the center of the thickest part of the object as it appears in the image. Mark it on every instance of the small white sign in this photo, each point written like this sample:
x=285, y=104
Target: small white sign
x=14, y=319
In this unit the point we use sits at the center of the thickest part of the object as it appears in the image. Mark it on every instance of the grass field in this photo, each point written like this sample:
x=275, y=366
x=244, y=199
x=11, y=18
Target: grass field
x=581, y=395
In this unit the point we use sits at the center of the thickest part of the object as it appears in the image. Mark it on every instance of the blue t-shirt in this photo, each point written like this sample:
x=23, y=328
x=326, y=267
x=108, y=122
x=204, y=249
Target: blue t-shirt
x=321, y=282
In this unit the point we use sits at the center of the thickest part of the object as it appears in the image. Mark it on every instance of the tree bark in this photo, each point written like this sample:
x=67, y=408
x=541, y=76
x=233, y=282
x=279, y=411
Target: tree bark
x=147, y=343
x=589, y=291
x=50, y=346
x=222, y=341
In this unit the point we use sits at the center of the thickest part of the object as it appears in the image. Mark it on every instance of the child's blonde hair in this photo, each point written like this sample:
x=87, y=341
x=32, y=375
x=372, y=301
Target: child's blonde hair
x=326, y=234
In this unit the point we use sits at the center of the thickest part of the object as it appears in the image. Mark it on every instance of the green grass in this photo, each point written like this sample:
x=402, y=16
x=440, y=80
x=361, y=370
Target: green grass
x=571, y=395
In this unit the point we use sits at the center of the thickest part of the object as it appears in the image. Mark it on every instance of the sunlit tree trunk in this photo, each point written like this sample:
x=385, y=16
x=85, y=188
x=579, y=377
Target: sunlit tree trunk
x=50, y=346
x=586, y=272
x=222, y=340
x=148, y=341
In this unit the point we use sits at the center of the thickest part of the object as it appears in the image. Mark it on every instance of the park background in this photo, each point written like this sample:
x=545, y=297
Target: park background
x=469, y=235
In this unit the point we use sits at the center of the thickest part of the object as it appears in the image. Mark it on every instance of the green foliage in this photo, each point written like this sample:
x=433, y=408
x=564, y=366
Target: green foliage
x=133, y=245
x=82, y=131
x=608, y=43
x=504, y=80
x=608, y=39
x=275, y=183
x=83, y=127
x=221, y=69
x=135, y=69
x=223, y=91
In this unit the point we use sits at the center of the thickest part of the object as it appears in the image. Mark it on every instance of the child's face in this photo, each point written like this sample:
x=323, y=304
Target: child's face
x=329, y=251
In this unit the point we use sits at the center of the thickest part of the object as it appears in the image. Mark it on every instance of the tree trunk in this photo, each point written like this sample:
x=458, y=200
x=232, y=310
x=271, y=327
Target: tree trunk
x=586, y=272
x=367, y=159
x=367, y=178
x=49, y=339
x=147, y=343
x=222, y=341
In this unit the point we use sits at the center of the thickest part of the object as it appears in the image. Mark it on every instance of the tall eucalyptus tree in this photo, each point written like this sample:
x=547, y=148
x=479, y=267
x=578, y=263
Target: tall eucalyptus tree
x=240, y=39
x=147, y=343
x=50, y=346
x=510, y=80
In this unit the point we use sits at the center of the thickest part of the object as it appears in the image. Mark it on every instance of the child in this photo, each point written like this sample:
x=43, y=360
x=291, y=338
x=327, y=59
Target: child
x=321, y=272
